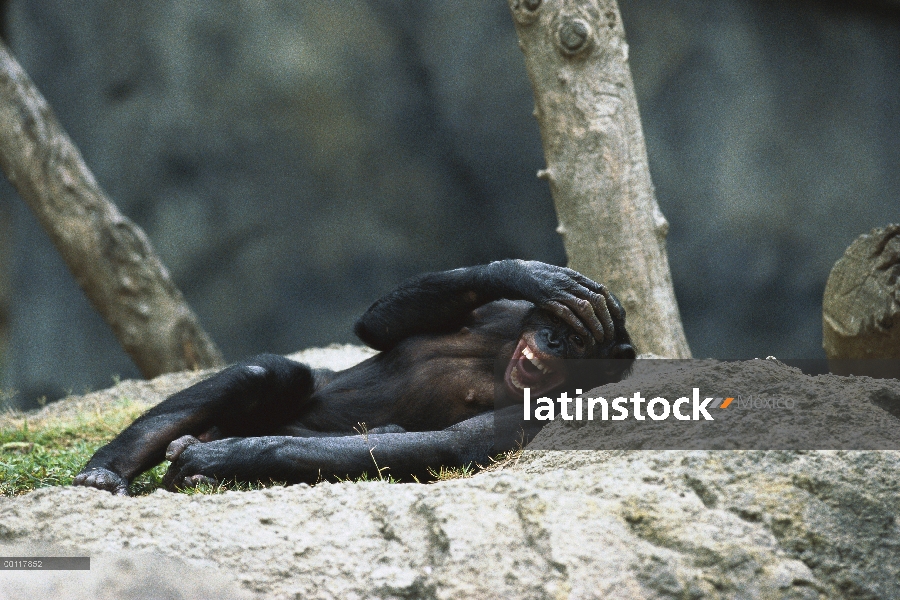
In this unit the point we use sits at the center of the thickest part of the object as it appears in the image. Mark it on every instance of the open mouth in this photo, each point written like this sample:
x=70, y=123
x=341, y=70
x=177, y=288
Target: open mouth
x=530, y=368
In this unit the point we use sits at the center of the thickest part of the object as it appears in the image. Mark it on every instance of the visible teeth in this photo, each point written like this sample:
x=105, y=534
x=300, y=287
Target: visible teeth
x=514, y=377
x=527, y=353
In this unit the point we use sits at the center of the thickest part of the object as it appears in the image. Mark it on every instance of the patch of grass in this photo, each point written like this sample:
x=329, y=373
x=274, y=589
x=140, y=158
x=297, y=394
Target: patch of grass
x=36, y=453
x=22, y=470
x=145, y=483
x=366, y=477
x=443, y=473
x=503, y=460
x=448, y=473
x=499, y=462
x=41, y=453
x=227, y=486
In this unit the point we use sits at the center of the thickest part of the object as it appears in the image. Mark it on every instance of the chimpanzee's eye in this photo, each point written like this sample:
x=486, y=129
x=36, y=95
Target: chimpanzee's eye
x=577, y=341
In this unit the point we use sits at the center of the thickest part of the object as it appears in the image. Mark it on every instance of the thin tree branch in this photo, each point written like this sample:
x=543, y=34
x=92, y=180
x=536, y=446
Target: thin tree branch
x=110, y=256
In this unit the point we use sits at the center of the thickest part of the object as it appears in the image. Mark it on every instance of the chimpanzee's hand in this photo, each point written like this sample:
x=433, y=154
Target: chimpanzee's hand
x=587, y=306
x=194, y=462
x=102, y=479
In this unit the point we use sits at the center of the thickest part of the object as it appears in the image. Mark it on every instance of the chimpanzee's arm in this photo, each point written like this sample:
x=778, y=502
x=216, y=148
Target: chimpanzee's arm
x=436, y=302
x=294, y=460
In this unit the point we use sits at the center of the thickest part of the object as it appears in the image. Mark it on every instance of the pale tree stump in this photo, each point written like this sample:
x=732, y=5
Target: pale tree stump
x=861, y=307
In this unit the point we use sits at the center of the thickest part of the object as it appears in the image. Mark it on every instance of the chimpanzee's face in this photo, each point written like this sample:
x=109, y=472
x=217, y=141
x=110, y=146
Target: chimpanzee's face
x=548, y=352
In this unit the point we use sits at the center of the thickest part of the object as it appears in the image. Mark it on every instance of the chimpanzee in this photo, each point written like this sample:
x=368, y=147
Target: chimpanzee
x=426, y=400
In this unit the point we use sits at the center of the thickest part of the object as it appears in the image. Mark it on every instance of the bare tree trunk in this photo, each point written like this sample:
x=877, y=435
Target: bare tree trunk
x=612, y=228
x=110, y=257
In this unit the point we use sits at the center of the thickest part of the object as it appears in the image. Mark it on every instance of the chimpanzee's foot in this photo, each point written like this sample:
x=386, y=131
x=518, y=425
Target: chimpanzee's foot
x=103, y=479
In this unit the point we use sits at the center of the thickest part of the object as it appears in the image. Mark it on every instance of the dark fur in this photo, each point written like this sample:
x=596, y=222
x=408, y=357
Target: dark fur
x=427, y=399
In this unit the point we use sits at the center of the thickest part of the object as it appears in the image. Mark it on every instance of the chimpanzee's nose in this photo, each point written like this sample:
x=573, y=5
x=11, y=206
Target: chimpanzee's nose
x=553, y=341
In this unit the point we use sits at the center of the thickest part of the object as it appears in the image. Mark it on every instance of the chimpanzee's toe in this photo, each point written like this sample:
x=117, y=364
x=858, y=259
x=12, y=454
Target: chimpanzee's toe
x=177, y=447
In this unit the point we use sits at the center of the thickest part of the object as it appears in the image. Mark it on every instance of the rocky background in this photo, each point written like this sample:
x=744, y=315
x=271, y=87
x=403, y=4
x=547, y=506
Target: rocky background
x=292, y=161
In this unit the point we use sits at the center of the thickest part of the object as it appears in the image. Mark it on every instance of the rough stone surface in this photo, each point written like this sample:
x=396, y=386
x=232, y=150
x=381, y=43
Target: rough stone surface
x=117, y=576
x=553, y=524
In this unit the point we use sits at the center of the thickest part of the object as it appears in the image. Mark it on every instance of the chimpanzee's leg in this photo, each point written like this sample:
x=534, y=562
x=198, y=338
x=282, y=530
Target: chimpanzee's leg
x=251, y=398
x=309, y=459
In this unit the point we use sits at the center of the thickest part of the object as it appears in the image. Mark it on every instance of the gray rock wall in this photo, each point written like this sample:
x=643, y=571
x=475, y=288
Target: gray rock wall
x=292, y=161
x=771, y=131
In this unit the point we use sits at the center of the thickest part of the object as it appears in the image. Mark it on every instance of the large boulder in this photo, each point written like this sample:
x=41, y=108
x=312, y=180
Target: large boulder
x=576, y=524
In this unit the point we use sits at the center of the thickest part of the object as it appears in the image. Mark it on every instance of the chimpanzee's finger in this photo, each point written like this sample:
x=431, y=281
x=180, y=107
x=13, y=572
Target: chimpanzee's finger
x=597, y=288
x=600, y=308
x=615, y=308
x=565, y=313
x=585, y=311
x=609, y=306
